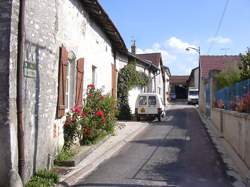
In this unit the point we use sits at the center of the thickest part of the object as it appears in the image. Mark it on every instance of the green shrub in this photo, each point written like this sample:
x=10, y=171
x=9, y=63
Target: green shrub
x=227, y=78
x=43, y=178
x=65, y=154
x=128, y=78
x=88, y=122
x=245, y=65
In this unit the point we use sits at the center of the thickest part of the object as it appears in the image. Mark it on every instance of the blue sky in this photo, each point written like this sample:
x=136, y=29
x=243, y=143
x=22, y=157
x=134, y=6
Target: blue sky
x=169, y=26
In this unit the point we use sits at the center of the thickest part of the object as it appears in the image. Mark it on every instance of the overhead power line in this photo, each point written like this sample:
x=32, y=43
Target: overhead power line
x=220, y=24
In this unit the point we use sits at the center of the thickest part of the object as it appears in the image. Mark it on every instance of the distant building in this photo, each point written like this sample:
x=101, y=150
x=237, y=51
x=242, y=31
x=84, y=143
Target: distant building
x=193, y=80
x=207, y=64
x=178, y=85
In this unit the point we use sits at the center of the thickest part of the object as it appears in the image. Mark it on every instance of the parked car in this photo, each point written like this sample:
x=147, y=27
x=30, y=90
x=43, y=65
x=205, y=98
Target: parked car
x=149, y=105
x=193, y=96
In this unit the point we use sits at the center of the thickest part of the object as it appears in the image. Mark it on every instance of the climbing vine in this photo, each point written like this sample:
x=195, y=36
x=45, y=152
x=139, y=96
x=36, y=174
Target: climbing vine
x=128, y=78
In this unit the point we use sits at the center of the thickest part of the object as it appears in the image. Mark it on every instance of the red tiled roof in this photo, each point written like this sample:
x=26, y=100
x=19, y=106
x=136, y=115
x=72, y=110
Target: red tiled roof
x=155, y=58
x=178, y=79
x=208, y=63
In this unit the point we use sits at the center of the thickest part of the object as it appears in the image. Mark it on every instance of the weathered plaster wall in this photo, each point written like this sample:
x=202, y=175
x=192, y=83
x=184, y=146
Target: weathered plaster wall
x=48, y=26
x=86, y=40
x=40, y=83
x=121, y=61
x=196, y=78
x=5, y=154
x=202, y=106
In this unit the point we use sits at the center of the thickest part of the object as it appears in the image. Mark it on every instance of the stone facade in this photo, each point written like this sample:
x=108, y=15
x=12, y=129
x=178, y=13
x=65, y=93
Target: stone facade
x=5, y=16
x=48, y=26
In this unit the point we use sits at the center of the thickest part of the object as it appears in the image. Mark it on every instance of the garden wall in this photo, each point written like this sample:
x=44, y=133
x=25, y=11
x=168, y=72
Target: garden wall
x=235, y=128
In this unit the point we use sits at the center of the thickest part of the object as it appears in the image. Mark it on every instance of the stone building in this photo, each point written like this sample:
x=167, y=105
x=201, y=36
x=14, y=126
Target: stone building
x=46, y=63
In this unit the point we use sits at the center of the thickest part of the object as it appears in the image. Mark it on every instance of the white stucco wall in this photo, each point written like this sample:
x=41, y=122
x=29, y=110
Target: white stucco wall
x=196, y=78
x=167, y=87
x=132, y=96
x=121, y=61
x=159, y=83
x=87, y=41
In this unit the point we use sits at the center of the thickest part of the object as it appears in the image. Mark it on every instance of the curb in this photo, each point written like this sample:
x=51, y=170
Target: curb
x=232, y=170
x=81, y=155
x=74, y=176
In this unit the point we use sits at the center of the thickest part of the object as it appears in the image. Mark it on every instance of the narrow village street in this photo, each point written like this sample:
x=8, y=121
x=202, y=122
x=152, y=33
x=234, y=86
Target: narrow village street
x=174, y=152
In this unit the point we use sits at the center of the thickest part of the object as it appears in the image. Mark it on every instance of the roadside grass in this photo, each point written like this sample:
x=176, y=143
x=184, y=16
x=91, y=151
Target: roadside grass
x=43, y=178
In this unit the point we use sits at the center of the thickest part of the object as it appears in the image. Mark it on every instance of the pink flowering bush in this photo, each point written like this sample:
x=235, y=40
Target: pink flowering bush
x=244, y=104
x=219, y=104
x=96, y=118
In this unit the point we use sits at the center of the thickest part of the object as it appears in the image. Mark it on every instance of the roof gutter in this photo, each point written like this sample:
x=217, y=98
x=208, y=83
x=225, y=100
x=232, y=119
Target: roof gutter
x=19, y=100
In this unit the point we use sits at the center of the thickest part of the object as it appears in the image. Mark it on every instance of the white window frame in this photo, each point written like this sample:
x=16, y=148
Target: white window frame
x=94, y=75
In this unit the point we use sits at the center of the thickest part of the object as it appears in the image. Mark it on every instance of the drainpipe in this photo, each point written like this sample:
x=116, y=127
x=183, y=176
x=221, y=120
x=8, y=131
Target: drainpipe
x=19, y=100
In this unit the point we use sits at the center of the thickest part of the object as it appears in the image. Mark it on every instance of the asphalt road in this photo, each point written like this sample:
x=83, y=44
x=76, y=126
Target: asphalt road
x=174, y=152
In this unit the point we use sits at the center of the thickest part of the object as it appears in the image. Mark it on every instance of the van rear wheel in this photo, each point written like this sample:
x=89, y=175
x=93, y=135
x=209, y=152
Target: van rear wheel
x=159, y=118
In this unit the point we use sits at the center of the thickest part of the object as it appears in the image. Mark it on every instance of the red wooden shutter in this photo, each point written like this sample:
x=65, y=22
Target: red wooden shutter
x=63, y=63
x=79, y=82
x=113, y=80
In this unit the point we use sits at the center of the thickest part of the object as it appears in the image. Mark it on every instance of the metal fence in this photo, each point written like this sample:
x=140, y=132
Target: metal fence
x=233, y=95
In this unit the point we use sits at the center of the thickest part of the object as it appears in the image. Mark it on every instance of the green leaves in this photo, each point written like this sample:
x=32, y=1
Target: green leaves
x=227, y=78
x=245, y=65
x=128, y=78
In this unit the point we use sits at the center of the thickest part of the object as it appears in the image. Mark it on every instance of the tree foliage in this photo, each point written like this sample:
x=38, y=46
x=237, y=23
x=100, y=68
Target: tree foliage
x=128, y=78
x=227, y=78
x=245, y=65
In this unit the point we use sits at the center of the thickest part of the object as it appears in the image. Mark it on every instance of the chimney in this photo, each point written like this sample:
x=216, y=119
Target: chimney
x=133, y=47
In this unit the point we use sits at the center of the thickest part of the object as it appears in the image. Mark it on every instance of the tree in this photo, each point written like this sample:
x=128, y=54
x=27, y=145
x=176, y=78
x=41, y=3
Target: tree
x=245, y=65
x=128, y=78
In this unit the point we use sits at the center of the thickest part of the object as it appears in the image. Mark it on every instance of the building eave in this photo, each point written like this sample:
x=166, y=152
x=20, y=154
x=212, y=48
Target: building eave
x=98, y=14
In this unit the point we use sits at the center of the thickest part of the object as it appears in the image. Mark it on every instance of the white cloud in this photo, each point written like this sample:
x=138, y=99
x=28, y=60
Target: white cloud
x=178, y=45
x=174, y=55
x=219, y=40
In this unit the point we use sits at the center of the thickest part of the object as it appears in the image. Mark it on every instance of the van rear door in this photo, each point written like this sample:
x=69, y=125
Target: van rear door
x=152, y=104
x=142, y=104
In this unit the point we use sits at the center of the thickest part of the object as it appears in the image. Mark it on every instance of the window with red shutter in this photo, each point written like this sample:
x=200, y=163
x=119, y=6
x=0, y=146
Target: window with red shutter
x=79, y=81
x=63, y=63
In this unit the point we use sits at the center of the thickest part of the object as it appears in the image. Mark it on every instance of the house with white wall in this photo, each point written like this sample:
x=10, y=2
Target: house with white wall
x=159, y=78
x=150, y=70
x=58, y=49
x=193, y=80
x=167, y=76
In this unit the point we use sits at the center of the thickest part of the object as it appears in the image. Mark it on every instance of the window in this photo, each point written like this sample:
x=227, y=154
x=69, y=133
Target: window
x=70, y=82
x=143, y=100
x=193, y=92
x=94, y=78
x=151, y=100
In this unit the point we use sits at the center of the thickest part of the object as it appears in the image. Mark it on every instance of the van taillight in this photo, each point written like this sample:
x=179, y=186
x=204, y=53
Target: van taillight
x=136, y=110
x=159, y=110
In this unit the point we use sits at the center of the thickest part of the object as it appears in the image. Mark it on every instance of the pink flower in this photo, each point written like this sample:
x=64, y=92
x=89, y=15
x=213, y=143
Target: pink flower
x=90, y=95
x=77, y=109
x=99, y=114
x=91, y=86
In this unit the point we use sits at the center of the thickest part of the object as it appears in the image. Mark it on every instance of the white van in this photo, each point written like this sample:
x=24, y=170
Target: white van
x=193, y=96
x=149, y=105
